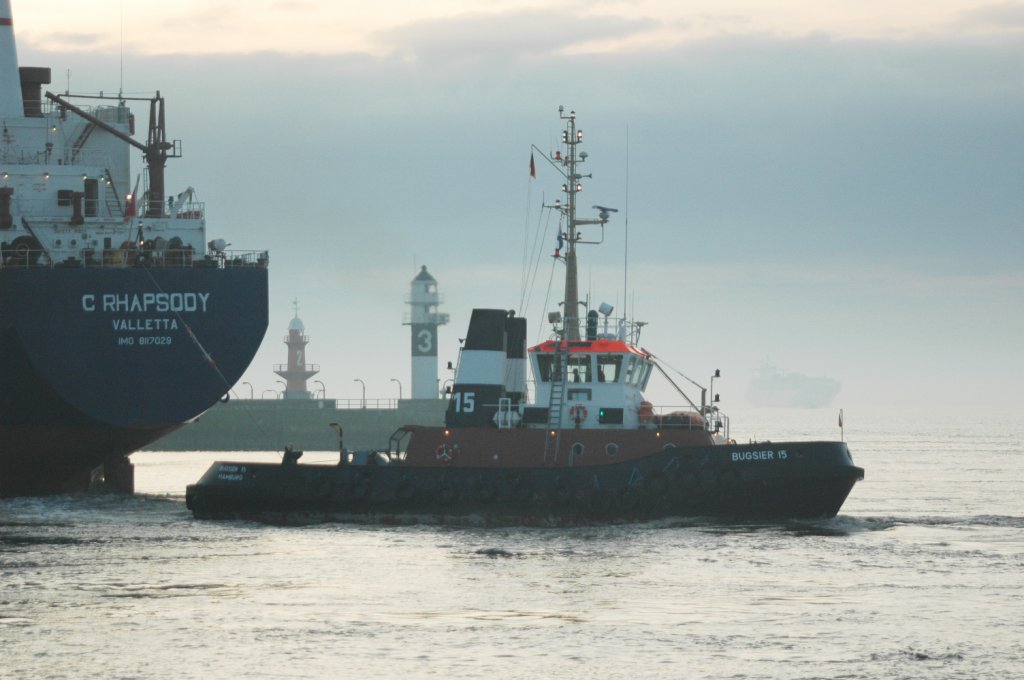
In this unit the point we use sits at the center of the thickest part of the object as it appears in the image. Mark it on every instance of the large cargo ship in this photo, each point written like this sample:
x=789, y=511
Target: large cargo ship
x=119, y=321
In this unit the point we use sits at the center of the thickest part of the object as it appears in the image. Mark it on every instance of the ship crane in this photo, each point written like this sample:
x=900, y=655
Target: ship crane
x=156, y=150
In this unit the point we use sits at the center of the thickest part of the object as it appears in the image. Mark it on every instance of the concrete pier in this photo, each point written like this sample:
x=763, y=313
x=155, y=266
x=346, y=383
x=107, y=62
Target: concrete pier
x=270, y=424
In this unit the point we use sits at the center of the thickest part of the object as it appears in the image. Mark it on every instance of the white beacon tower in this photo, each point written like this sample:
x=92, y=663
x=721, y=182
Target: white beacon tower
x=424, y=319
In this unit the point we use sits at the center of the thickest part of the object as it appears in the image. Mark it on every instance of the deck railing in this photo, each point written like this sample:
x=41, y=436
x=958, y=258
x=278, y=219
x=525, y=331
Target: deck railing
x=354, y=404
x=117, y=258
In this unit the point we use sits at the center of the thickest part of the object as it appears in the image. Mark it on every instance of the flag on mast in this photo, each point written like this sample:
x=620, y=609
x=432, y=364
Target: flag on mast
x=533, y=168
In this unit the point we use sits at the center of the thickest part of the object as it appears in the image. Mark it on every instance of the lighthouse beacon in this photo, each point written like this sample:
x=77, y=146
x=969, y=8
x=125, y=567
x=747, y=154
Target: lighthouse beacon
x=296, y=372
x=424, y=319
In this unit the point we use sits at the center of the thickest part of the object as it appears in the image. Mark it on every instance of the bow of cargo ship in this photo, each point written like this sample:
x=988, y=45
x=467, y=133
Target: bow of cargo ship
x=119, y=320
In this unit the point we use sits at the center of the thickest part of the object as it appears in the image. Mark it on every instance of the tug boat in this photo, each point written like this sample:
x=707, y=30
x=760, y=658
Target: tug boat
x=119, y=320
x=588, y=448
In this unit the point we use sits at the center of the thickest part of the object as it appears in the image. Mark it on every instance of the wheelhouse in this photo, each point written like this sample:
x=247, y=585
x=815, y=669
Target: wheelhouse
x=603, y=381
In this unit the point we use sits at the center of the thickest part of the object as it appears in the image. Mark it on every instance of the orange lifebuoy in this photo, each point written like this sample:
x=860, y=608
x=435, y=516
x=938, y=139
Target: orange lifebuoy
x=443, y=454
x=578, y=413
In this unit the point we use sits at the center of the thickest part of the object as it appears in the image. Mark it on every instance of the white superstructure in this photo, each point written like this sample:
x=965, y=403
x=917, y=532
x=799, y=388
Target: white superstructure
x=67, y=193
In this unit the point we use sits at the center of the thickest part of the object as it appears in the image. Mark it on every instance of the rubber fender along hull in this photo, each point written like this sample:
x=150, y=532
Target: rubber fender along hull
x=714, y=482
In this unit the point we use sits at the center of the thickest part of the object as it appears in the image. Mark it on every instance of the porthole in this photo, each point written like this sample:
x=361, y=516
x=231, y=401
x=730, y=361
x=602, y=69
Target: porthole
x=611, y=448
x=576, y=450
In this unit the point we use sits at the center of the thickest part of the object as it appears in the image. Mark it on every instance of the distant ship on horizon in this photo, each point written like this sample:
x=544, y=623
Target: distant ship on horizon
x=772, y=387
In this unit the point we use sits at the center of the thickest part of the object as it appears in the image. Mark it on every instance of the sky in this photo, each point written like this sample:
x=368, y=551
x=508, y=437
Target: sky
x=834, y=186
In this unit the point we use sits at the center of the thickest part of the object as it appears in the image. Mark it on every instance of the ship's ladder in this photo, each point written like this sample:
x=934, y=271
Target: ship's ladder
x=82, y=139
x=111, y=200
x=553, y=436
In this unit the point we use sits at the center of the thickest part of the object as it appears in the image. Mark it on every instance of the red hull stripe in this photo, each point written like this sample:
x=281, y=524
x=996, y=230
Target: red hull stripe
x=6, y=22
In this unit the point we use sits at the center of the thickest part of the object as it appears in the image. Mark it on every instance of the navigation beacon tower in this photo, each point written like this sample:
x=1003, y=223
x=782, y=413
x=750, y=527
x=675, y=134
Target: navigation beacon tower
x=424, y=319
x=296, y=372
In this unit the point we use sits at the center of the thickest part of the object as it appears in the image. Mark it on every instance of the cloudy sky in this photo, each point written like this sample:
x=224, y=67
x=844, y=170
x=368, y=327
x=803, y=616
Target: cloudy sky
x=835, y=186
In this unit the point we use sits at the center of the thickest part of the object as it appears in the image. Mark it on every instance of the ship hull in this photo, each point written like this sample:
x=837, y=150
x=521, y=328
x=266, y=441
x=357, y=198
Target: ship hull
x=793, y=480
x=98, y=362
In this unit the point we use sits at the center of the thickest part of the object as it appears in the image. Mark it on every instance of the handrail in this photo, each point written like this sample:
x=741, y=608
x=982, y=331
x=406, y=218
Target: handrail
x=365, y=404
x=116, y=258
x=315, y=368
x=347, y=404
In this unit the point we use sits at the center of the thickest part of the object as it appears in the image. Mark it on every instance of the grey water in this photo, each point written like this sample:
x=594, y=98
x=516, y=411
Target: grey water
x=920, y=576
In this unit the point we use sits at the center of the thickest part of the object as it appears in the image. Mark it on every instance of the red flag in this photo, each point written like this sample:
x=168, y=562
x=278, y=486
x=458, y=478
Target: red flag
x=533, y=168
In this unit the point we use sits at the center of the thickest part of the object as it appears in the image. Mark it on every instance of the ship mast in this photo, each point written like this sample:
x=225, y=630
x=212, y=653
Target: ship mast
x=572, y=138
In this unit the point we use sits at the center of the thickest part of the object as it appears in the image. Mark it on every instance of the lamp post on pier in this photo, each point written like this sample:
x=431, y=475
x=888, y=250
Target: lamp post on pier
x=364, y=390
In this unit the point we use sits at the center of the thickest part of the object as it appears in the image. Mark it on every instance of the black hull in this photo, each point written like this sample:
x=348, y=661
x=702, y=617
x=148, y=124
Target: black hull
x=718, y=481
x=84, y=382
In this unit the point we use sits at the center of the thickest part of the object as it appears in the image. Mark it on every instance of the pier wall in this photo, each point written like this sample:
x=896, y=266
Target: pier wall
x=271, y=424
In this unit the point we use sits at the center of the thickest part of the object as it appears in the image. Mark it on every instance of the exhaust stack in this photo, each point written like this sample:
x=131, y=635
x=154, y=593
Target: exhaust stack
x=11, y=105
x=480, y=380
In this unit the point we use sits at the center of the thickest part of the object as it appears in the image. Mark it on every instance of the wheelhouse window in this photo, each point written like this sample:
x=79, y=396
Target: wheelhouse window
x=544, y=364
x=637, y=371
x=609, y=367
x=631, y=366
x=579, y=368
x=643, y=374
